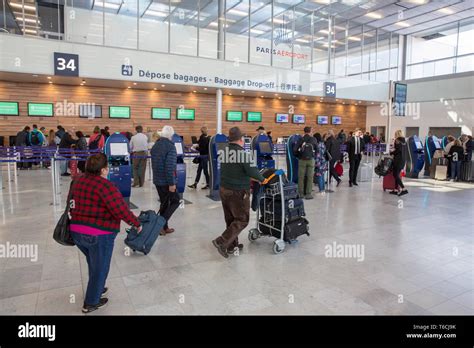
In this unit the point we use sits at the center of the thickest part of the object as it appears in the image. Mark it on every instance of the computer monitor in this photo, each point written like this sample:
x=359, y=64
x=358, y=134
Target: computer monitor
x=437, y=143
x=323, y=119
x=90, y=111
x=418, y=145
x=179, y=148
x=298, y=119
x=336, y=120
x=194, y=139
x=118, y=149
x=265, y=147
x=282, y=118
x=247, y=140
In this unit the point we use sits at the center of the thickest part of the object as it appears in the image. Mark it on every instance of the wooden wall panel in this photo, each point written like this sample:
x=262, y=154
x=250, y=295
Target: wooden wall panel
x=141, y=102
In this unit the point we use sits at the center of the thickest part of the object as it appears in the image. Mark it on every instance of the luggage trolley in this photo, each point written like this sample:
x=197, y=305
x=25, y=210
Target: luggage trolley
x=269, y=222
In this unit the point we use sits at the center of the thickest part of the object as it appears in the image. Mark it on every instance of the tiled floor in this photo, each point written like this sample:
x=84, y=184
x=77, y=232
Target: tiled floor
x=418, y=257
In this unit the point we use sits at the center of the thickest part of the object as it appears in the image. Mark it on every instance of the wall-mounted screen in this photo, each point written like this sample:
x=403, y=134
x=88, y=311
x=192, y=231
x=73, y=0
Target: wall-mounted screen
x=161, y=113
x=298, y=119
x=185, y=114
x=41, y=109
x=235, y=116
x=282, y=118
x=9, y=109
x=119, y=111
x=400, y=99
x=336, y=120
x=323, y=119
x=90, y=111
x=254, y=116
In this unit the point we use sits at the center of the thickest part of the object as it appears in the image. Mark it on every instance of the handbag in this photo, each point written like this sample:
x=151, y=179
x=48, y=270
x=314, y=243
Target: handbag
x=197, y=160
x=62, y=233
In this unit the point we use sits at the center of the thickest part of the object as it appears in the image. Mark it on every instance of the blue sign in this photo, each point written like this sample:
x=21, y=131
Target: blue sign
x=330, y=89
x=66, y=64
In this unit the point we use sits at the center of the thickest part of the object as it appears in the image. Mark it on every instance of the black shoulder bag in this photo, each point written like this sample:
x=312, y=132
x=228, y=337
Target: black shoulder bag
x=62, y=233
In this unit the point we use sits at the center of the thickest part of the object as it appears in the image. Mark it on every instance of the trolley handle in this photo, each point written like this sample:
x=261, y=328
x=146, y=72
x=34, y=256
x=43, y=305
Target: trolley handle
x=278, y=172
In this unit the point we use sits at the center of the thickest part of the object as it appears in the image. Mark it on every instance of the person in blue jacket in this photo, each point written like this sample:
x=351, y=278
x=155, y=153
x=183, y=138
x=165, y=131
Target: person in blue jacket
x=163, y=163
x=36, y=138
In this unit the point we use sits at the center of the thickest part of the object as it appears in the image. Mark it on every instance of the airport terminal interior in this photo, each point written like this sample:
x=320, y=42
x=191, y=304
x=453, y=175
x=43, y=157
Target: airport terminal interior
x=381, y=82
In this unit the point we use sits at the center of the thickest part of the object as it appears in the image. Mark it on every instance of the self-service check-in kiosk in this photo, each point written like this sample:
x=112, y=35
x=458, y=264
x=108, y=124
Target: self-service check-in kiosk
x=117, y=150
x=291, y=159
x=247, y=143
x=218, y=142
x=415, y=158
x=180, y=165
x=432, y=143
x=263, y=149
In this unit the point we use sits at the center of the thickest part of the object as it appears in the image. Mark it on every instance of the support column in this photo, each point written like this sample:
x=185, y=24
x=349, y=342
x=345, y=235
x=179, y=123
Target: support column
x=220, y=56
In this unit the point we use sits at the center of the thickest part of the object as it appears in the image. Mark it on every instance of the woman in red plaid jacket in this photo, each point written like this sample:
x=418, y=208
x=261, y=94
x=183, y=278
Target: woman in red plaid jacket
x=97, y=207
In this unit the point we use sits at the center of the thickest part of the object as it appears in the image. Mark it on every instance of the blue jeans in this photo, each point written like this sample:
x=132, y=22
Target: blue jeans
x=98, y=251
x=455, y=169
x=320, y=180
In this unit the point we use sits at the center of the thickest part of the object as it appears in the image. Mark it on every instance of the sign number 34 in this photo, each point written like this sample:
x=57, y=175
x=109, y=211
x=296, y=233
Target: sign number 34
x=66, y=64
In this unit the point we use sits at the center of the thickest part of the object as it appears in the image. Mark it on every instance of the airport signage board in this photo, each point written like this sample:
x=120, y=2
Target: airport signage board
x=9, y=109
x=161, y=113
x=329, y=89
x=254, y=116
x=66, y=64
x=40, y=109
x=235, y=116
x=185, y=114
x=119, y=111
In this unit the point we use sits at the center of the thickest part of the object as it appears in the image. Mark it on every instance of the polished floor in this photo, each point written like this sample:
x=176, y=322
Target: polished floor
x=418, y=257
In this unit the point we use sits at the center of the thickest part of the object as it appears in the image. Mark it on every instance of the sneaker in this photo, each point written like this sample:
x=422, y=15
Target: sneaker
x=220, y=248
x=193, y=186
x=394, y=193
x=355, y=184
x=232, y=250
x=309, y=196
x=205, y=187
x=404, y=192
x=104, y=292
x=90, y=308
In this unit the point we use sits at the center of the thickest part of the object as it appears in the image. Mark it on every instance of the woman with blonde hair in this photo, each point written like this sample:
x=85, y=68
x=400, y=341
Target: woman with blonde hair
x=399, y=162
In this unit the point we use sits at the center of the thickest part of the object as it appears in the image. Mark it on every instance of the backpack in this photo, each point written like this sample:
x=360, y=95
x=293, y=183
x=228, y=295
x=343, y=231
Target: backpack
x=94, y=144
x=306, y=151
x=35, y=138
x=384, y=166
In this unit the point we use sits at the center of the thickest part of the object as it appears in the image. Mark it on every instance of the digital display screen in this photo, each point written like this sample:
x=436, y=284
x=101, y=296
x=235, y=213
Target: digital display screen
x=40, y=109
x=118, y=149
x=282, y=118
x=323, y=119
x=254, y=116
x=418, y=145
x=161, y=113
x=119, y=111
x=90, y=111
x=437, y=144
x=247, y=140
x=336, y=120
x=298, y=119
x=9, y=109
x=400, y=99
x=179, y=148
x=235, y=116
x=265, y=147
x=185, y=114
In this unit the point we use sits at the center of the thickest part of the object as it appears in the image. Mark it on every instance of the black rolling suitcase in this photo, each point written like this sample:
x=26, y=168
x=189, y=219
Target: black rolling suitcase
x=467, y=171
x=293, y=229
x=294, y=208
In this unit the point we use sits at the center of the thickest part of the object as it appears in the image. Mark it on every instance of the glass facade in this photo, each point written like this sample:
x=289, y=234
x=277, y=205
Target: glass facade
x=292, y=34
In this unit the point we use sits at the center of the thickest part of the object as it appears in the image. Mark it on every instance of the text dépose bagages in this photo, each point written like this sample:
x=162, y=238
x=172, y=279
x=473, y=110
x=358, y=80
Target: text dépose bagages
x=389, y=182
x=152, y=224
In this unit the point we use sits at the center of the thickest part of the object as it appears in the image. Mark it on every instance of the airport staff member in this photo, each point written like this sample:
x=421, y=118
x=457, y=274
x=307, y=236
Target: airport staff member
x=203, y=147
x=139, y=148
x=237, y=170
x=163, y=163
x=355, y=146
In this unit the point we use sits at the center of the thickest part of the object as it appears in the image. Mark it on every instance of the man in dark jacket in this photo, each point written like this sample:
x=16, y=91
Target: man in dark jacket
x=355, y=147
x=23, y=139
x=306, y=150
x=66, y=142
x=237, y=168
x=203, y=147
x=333, y=148
x=163, y=163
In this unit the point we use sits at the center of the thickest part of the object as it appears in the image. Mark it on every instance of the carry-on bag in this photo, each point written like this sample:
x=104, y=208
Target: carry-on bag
x=441, y=172
x=62, y=233
x=365, y=172
x=294, y=208
x=339, y=169
x=152, y=224
x=467, y=171
x=389, y=182
x=384, y=166
x=292, y=230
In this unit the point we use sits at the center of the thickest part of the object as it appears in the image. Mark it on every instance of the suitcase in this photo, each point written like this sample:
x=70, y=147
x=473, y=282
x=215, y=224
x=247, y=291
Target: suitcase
x=466, y=171
x=292, y=231
x=294, y=209
x=365, y=172
x=389, y=182
x=152, y=224
x=339, y=169
x=441, y=172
